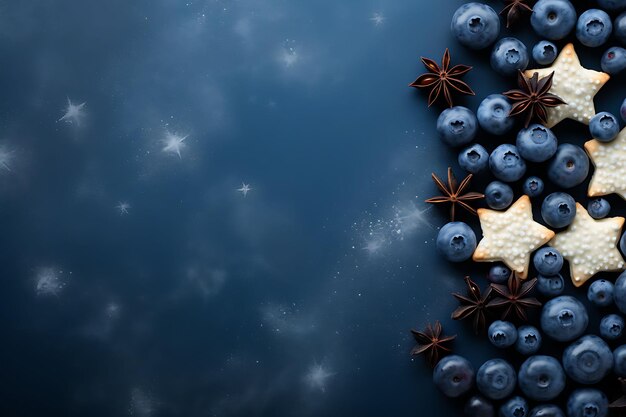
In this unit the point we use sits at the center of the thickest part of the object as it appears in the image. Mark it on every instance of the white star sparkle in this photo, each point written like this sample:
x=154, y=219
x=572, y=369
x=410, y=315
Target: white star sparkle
x=317, y=376
x=122, y=207
x=377, y=19
x=73, y=113
x=245, y=188
x=174, y=143
x=6, y=158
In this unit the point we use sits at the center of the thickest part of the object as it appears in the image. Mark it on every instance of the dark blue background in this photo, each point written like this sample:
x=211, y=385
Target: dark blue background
x=227, y=305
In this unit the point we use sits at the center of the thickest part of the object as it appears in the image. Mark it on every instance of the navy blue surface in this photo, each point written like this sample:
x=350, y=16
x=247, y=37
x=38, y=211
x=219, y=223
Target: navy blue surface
x=293, y=300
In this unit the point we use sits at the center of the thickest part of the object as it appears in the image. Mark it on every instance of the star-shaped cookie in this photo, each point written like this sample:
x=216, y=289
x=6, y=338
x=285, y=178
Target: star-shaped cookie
x=589, y=245
x=574, y=84
x=609, y=158
x=511, y=236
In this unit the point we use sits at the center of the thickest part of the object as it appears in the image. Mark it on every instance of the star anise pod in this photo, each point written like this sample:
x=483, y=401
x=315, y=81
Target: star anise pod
x=453, y=193
x=442, y=80
x=514, y=9
x=513, y=297
x=619, y=405
x=431, y=343
x=533, y=97
x=474, y=305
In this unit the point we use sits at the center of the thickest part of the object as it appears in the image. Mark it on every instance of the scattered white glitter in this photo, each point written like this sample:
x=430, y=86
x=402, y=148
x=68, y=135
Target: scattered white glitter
x=377, y=19
x=317, y=377
x=174, y=143
x=245, y=188
x=589, y=245
x=73, y=113
x=287, y=319
x=609, y=158
x=289, y=55
x=122, y=207
x=48, y=282
x=573, y=83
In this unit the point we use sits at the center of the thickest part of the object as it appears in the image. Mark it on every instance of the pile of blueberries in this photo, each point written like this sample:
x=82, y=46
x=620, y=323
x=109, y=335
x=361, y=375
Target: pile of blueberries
x=587, y=359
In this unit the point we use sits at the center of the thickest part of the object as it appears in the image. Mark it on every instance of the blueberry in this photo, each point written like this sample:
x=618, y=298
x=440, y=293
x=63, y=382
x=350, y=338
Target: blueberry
x=622, y=110
x=493, y=114
x=558, y=209
x=619, y=361
x=499, y=274
x=454, y=376
x=553, y=19
x=533, y=186
x=456, y=241
x=614, y=60
x=528, y=340
x=611, y=326
x=498, y=195
x=541, y=378
x=548, y=261
x=622, y=243
x=587, y=402
x=509, y=56
x=496, y=379
x=515, y=407
x=598, y=208
x=474, y=158
x=564, y=318
x=612, y=4
x=478, y=406
x=544, y=52
x=550, y=286
x=604, y=126
x=588, y=360
x=506, y=164
x=502, y=334
x=475, y=25
x=619, y=28
x=569, y=167
x=600, y=293
x=457, y=126
x=594, y=28
x=536, y=143
x=546, y=410
x=619, y=290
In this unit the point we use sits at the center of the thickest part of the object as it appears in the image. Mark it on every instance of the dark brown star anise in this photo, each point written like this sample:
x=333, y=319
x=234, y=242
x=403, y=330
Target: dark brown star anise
x=533, y=97
x=453, y=193
x=431, y=343
x=514, y=9
x=473, y=306
x=513, y=297
x=441, y=80
x=619, y=405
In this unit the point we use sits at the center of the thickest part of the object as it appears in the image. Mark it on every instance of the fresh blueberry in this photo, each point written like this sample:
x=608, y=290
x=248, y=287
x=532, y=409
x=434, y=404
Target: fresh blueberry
x=611, y=326
x=622, y=110
x=536, y=143
x=546, y=410
x=496, y=379
x=454, y=376
x=612, y=4
x=515, y=407
x=509, y=56
x=598, y=208
x=553, y=19
x=541, y=378
x=588, y=360
x=558, y=209
x=569, y=167
x=593, y=28
x=600, y=293
x=474, y=158
x=604, y=126
x=587, y=402
x=528, y=340
x=499, y=274
x=619, y=361
x=502, y=334
x=533, y=186
x=475, y=25
x=564, y=318
x=493, y=114
x=550, y=286
x=478, y=406
x=544, y=52
x=457, y=126
x=614, y=60
x=548, y=261
x=506, y=164
x=619, y=290
x=619, y=28
x=456, y=241
x=498, y=195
